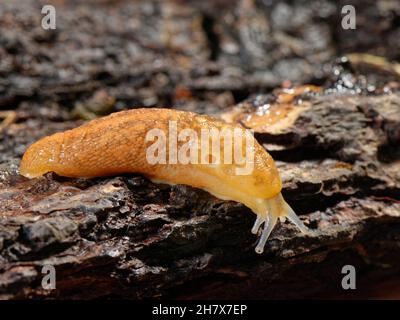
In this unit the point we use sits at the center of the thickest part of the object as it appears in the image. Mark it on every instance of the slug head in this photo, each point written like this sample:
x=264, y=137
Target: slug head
x=258, y=178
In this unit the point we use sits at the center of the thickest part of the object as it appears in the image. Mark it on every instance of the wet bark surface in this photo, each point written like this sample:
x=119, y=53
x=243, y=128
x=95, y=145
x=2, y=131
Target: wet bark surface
x=125, y=237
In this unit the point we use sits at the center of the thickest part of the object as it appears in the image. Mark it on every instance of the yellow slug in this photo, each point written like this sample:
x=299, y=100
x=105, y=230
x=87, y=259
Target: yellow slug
x=120, y=143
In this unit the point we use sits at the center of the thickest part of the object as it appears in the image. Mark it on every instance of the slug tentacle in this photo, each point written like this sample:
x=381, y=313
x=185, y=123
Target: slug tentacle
x=269, y=224
x=276, y=208
x=292, y=216
x=259, y=221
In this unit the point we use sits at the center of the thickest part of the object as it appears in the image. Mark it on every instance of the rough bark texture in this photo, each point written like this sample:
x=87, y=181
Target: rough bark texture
x=125, y=237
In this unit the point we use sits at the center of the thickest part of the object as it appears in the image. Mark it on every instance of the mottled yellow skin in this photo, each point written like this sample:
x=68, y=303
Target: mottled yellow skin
x=116, y=144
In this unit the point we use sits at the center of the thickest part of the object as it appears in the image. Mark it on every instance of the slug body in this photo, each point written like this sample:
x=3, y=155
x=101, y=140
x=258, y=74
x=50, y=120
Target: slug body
x=118, y=144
